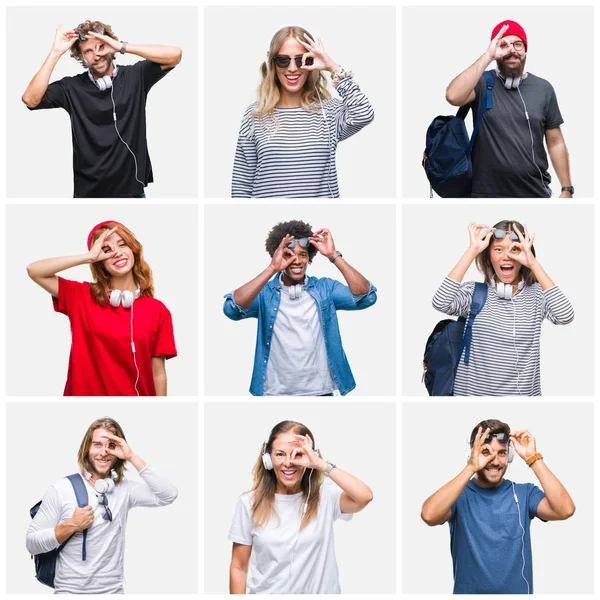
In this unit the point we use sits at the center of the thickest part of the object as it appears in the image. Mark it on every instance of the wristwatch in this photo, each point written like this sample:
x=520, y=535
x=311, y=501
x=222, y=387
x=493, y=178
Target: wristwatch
x=568, y=188
x=533, y=458
x=335, y=255
x=328, y=468
x=123, y=47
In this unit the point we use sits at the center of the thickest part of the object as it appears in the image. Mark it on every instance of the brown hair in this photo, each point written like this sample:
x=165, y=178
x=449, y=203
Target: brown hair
x=484, y=262
x=265, y=482
x=142, y=273
x=82, y=455
x=494, y=425
x=83, y=29
x=269, y=89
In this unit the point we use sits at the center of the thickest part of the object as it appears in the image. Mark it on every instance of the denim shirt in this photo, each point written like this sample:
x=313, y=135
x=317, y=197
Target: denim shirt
x=330, y=296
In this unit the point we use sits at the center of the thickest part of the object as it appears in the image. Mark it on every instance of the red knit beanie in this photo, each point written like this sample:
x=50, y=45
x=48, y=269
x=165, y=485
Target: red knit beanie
x=513, y=29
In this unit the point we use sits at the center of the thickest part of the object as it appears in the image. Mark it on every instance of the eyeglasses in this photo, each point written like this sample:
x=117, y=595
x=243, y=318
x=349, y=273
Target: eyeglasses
x=283, y=61
x=500, y=234
x=304, y=243
x=103, y=501
x=518, y=45
x=501, y=437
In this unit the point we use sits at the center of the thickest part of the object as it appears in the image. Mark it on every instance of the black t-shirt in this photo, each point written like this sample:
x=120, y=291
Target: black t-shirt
x=502, y=157
x=102, y=165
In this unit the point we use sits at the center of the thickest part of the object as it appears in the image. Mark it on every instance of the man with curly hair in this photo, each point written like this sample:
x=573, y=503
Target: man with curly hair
x=298, y=347
x=108, y=122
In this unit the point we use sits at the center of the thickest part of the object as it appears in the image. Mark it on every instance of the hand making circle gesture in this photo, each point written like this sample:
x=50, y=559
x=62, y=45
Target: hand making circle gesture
x=113, y=45
x=303, y=454
x=523, y=443
x=481, y=453
x=118, y=447
x=283, y=256
x=101, y=249
x=479, y=237
x=322, y=240
x=499, y=48
x=521, y=250
x=320, y=60
x=63, y=40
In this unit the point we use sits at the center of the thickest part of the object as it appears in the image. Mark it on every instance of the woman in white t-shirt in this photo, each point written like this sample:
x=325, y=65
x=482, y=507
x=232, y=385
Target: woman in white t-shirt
x=282, y=530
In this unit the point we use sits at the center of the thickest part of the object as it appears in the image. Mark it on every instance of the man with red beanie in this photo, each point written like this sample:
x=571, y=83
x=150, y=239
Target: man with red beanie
x=509, y=158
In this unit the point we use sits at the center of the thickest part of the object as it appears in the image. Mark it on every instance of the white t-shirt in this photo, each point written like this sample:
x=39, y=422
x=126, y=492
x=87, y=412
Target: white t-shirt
x=285, y=560
x=102, y=571
x=298, y=363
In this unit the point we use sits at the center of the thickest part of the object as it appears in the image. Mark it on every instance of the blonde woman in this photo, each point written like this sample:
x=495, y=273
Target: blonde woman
x=282, y=531
x=288, y=137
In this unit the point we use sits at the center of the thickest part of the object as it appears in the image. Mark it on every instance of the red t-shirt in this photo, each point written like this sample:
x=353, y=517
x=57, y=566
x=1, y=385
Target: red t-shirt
x=101, y=360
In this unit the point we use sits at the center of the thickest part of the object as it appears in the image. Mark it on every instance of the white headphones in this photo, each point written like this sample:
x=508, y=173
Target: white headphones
x=295, y=291
x=103, y=486
x=125, y=298
x=510, y=83
x=504, y=290
x=103, y=83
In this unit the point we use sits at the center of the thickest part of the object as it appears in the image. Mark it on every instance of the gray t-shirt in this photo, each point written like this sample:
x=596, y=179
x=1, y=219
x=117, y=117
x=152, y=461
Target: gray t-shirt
x=503, y=163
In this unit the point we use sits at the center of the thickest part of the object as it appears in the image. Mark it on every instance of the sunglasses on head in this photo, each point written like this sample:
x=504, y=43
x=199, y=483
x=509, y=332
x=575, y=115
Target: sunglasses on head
x=283, y=62
x=304, y=243
x=500, y=234
x=502, y=438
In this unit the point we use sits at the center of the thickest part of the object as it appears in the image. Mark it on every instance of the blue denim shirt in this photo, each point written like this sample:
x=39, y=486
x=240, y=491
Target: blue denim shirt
x=330, y=296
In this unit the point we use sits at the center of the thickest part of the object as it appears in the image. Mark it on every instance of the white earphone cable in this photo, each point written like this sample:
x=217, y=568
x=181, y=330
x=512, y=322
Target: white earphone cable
x=298, y=532
x=328, y=142
x=522, y=533
x=515, y=343
x=133, y=350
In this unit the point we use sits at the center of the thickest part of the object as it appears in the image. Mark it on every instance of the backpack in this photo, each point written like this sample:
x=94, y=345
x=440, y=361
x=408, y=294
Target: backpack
x=447, y=156
x=45, y=564
x=445, y=345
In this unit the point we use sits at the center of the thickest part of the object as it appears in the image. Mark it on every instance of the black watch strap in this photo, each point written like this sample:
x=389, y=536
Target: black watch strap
x=568, y=188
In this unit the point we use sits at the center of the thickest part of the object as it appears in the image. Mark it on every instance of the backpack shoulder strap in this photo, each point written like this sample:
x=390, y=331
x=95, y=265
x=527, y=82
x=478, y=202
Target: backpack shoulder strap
x=81, y=495
x=477, y=303
x=486, y=104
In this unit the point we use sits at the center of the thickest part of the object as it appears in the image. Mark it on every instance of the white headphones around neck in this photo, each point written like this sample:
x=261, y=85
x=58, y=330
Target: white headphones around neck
x=125, y=298
x=103, y=486
x=510, y=83
x=504, y=290
x=103, y=83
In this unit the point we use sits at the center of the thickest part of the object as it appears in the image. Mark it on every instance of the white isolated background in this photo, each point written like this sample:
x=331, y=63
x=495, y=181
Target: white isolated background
x=563, y=551
x=39, y=339
x=39, y=148
x=349, y=435
x=435, y=237
x=42, y=440
x=366, y=162
x=439, y=43
x=234, y=246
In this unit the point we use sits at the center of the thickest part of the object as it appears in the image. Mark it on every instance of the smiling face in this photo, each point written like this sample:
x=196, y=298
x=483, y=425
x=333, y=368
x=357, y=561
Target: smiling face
x=507, y=269
x=491, y=475
x=513, y=64
x=291, y=78
x=100, y=461
x=91, y=50
x=296, y=272
x=289, y=477
x=123, y=262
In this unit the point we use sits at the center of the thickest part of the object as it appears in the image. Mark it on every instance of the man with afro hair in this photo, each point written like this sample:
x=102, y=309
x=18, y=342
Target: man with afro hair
x=298, y=347
x=108, y=124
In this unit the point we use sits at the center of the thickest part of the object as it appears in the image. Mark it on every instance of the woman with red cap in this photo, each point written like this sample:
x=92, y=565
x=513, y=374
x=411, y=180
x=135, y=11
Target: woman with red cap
x=113, y=353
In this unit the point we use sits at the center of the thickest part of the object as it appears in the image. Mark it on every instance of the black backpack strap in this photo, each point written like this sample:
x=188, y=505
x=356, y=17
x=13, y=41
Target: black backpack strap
x=81, y=495
x=477, y=303
x=486, y=104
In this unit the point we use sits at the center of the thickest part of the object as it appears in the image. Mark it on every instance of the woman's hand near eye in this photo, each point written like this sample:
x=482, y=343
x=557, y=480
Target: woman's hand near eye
x=101, y=250
x=320, y=60
x=521, y=250
x=303, y=454
x=479, y=237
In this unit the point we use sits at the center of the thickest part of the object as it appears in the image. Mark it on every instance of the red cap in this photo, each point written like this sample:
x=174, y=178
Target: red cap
x=513, y=29
x=95, y=228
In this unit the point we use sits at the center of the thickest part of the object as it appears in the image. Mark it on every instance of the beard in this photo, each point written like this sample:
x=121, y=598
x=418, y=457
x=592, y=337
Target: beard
x=511, y=72
x=101, y=73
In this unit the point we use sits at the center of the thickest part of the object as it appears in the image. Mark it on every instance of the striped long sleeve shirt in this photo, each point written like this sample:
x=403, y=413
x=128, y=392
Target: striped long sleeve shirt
x=293, y=154
x=505, y=348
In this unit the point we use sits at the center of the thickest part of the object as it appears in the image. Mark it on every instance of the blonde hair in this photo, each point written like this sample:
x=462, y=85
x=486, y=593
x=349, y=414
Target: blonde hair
x=269, y=89
x=265, y=482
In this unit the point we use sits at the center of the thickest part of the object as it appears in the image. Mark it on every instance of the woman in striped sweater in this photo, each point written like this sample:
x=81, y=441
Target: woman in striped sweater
x=288, y=138
x=505, y=349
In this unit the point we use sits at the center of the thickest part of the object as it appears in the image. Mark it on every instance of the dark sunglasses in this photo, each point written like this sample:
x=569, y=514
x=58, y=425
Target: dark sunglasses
x=103, y=501
x=283, y=62
x=500, y=234
x=502, y=438
x=304, y=243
